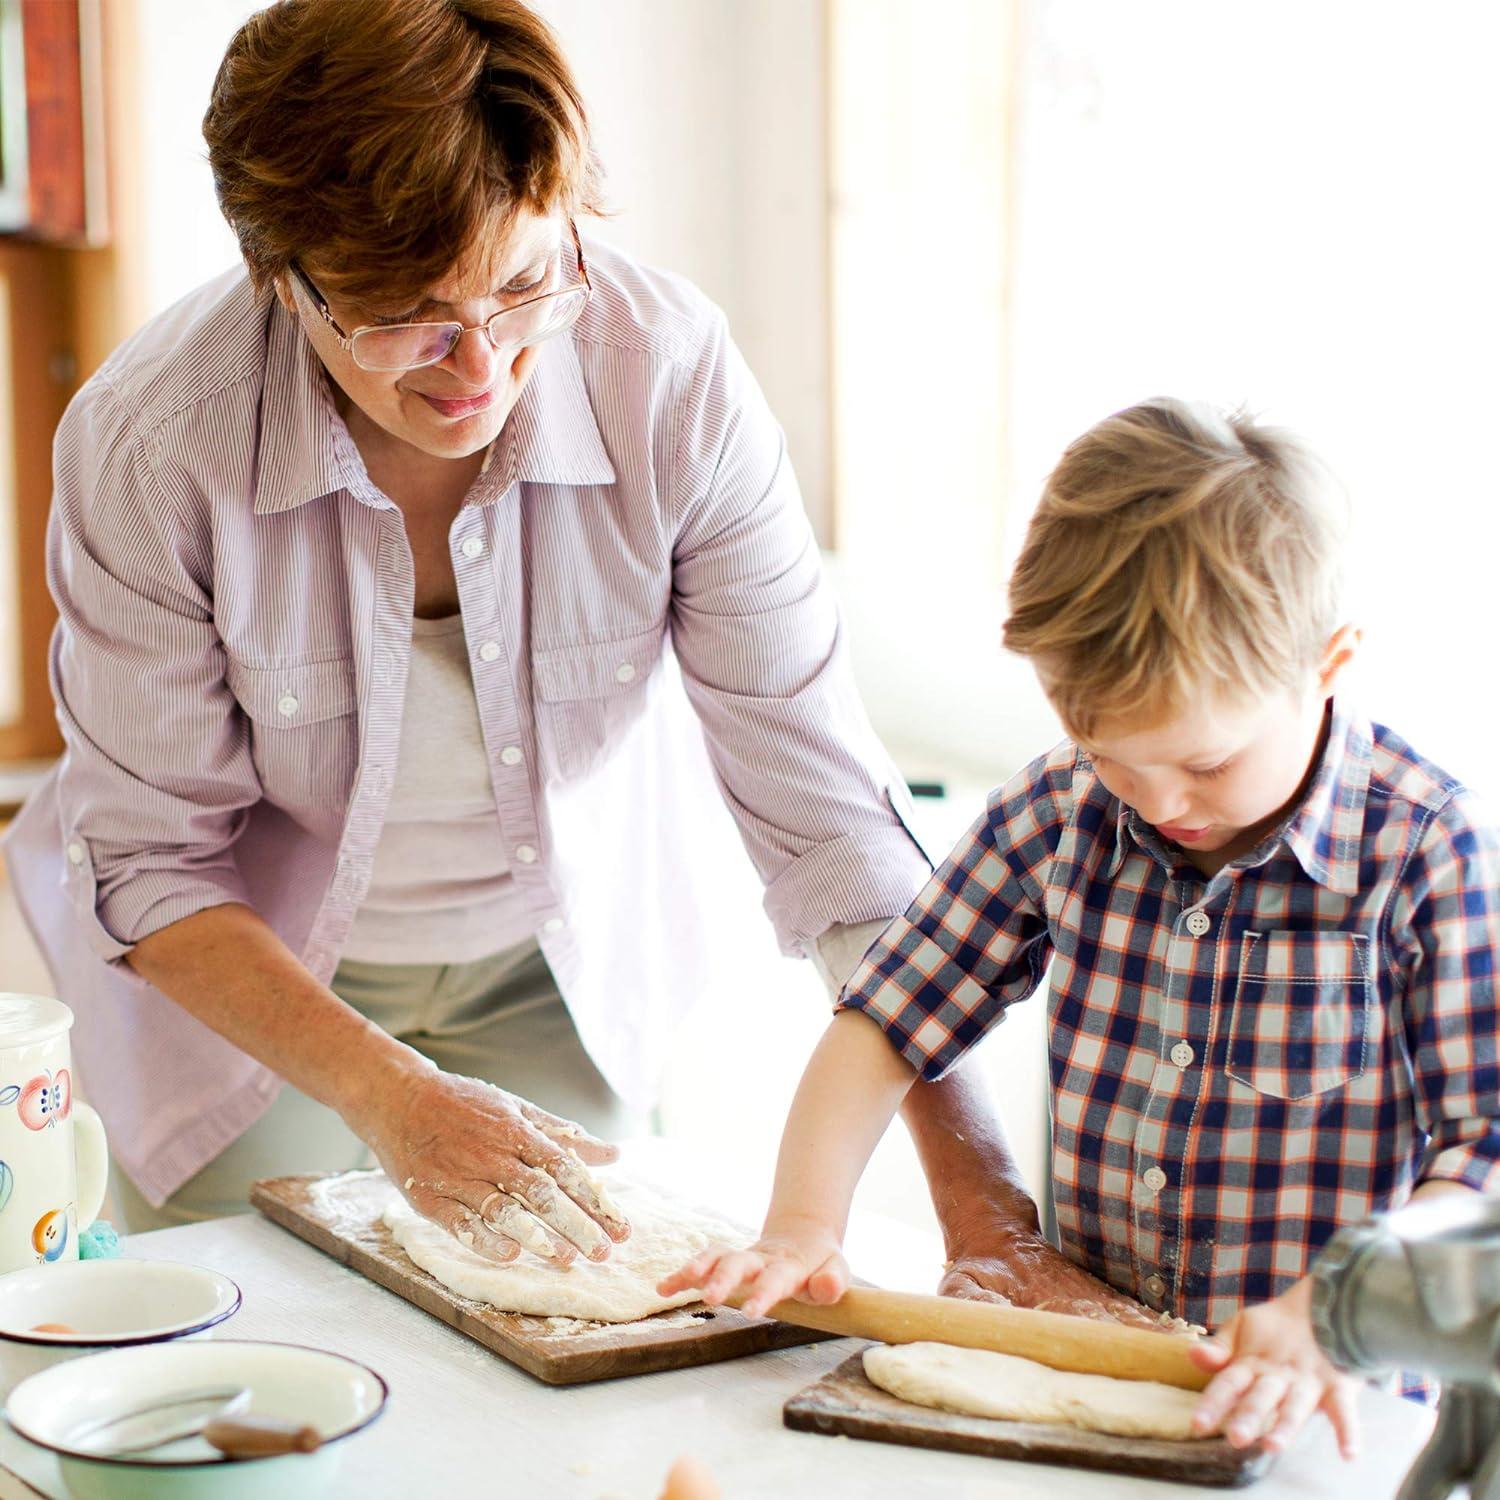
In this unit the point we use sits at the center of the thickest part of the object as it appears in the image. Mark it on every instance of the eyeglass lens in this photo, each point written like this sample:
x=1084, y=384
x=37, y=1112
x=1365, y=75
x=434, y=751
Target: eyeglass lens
x=407, y=346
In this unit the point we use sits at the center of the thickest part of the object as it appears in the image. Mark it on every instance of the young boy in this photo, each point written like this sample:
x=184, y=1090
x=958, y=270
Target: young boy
x=1272, y=926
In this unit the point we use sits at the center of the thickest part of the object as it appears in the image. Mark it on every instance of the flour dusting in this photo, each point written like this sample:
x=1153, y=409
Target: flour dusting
x=620, y=1290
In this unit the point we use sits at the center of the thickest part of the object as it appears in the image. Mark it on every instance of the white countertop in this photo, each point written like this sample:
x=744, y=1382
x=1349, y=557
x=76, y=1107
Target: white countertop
x=461, y=1418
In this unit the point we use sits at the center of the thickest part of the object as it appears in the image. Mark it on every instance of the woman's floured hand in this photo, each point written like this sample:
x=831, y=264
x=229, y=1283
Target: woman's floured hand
x=804, y=1263
x=1022, y=1268
x=496, y=1172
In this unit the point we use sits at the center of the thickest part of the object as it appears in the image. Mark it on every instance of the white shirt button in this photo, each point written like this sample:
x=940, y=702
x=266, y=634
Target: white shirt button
x=1199, y=923
x=471, y=546
x=526, y=854
x=511, y=756
x=1154, y=1178
x=75, y=853
x=624, y=672
x=287, y=705
x=1183, y=1054
x=490, y=651
x=553, y=924
x=1155, y=1286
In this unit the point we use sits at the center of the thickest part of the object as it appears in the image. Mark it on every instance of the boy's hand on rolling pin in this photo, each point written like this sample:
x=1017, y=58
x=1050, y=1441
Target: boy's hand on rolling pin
x=1272, y=1377
x=789, y=1261
x=1024, y=1269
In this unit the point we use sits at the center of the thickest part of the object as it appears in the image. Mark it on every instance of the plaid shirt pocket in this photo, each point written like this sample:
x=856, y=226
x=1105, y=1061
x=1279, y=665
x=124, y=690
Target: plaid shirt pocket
x=1301, y=1012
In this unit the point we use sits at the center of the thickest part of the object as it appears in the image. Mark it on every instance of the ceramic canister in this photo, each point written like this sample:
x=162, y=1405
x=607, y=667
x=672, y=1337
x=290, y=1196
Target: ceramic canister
x=53, y=1162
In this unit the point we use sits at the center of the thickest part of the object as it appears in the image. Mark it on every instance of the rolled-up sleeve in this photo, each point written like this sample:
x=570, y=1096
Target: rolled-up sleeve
x=1446, y=924
x=157, y=771
x=975, y=941
x=820, y=807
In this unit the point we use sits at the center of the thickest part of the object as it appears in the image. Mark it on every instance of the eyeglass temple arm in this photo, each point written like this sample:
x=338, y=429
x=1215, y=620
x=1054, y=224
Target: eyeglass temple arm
x=320, y=303
x=583, y=265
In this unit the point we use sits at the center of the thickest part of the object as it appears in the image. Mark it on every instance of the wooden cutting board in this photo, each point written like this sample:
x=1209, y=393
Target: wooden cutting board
x=340, y=1214
x=845, y=1402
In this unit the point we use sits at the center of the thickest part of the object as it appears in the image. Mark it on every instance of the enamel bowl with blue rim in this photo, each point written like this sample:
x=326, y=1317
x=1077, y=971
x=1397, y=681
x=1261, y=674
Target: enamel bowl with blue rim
x=288, y=1383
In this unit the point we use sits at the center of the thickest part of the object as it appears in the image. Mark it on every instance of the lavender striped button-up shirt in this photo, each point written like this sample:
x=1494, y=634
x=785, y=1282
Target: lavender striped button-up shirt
x=230, y=664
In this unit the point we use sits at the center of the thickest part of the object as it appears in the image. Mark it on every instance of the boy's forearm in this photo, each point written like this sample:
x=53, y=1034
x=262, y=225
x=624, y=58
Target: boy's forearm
x=977, y=1190
x=850, y=1091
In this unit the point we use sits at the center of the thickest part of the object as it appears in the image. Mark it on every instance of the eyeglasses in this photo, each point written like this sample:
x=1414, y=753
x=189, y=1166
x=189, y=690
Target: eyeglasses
x=410, y=346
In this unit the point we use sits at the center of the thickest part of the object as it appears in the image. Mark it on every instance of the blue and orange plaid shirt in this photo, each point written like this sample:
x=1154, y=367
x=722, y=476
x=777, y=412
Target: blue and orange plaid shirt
x=1239, y=1064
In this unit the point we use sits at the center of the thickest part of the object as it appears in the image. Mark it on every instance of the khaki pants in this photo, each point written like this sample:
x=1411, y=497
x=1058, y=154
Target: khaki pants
x=500, y=1019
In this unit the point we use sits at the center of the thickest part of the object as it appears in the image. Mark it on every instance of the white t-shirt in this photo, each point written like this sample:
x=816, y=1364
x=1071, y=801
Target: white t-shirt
x=440, y=890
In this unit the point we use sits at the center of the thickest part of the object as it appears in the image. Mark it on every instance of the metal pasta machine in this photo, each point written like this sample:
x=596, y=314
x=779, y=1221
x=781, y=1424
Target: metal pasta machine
x=1418, y=1289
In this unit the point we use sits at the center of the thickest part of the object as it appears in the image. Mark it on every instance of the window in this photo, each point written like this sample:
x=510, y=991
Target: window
x=1281, y=205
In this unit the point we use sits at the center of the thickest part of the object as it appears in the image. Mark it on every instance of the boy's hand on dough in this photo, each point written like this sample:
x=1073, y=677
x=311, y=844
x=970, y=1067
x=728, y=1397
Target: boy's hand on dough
x=803, y=1261
x=1272, y=1377
x=1024, y=1269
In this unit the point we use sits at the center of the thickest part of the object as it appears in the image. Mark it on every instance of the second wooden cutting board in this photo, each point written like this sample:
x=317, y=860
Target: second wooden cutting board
x=340, y=1215
x=844, y=1403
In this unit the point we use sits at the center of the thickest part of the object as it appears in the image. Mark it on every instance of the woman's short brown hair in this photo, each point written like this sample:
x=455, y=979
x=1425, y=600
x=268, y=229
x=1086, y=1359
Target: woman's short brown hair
x=380, y=141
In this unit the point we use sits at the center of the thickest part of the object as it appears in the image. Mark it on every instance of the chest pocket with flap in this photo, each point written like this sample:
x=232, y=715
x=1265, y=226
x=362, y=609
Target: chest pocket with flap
x=588, y=694
x=304, y=731
x=1301, y=1018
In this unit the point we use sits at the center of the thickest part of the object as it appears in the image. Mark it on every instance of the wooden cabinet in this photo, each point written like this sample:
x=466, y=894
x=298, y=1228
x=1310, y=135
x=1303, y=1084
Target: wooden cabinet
x=66, y=297
x=37, y=376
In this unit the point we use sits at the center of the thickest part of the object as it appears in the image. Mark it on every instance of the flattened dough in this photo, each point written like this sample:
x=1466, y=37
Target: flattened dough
x=979, y=1383
x=622, y=1289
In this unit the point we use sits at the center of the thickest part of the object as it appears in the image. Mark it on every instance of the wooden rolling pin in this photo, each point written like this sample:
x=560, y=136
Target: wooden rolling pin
x=1091, y=1345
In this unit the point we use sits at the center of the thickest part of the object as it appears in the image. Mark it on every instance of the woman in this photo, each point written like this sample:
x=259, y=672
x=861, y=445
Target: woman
x=366, y=557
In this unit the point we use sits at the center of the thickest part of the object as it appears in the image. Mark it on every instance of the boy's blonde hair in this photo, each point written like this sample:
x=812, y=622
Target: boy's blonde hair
x=1177, y=552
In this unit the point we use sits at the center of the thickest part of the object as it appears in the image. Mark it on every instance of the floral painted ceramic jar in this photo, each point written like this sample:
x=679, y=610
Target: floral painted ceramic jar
x=54, y=1165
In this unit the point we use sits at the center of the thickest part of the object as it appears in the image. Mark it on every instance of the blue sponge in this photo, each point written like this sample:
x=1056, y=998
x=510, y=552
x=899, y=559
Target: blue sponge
x=99, y=1242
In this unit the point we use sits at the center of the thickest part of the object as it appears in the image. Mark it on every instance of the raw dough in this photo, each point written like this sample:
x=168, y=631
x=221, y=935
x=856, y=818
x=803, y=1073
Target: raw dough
x=664, y=1234
x=979, y=1383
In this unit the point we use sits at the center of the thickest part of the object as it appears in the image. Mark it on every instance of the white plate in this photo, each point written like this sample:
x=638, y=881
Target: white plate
x=113, y=1302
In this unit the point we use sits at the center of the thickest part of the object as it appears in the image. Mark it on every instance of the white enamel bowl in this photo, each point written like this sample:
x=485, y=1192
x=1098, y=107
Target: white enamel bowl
x=287, y=1383
x=112, y=1303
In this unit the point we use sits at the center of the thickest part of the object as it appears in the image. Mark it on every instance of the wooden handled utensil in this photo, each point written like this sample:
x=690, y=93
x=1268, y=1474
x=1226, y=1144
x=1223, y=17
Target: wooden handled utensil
x=216, y=1415
x=1090, y=1345
x=260, y=1437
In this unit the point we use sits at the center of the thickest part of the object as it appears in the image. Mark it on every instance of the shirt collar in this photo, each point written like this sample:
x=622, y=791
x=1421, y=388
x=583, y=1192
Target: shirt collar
x=1125, y=835
x=296, y=459
x=1325, y=831
x=550, y=437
